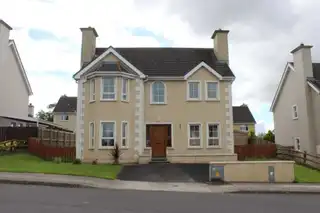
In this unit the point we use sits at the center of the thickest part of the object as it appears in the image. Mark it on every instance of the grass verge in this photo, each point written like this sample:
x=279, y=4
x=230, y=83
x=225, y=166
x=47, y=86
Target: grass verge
x=24, y=162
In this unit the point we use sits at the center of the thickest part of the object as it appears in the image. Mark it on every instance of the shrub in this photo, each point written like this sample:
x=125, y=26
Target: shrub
x=77, y=161
x=115, y=153
x=269, y=136
x=95, y=162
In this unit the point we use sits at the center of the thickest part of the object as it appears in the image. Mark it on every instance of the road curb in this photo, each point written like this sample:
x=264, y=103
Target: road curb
x=45, y=183
x=272, y=192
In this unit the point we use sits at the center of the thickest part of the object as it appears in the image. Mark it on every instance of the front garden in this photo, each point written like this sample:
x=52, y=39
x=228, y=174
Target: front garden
x=23, y=162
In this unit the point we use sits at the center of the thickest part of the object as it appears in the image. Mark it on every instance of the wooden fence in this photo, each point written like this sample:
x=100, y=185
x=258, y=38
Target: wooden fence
x=288, y=153
x=256, y=151
x=52, y=143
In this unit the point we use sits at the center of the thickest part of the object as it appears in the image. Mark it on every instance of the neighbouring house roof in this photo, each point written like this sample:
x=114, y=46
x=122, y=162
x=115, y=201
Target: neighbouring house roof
x=20, y=65
x=168, y=61
x=66, y=104
x=242, y=114
x=314, y=82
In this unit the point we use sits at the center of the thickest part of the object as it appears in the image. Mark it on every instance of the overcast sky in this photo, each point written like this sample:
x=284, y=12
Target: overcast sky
x=262, y=33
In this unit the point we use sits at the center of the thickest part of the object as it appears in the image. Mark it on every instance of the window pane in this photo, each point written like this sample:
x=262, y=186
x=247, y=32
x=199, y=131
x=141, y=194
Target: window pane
x=92, y=129
x=212, y=89
x=194, y=89
x=124, y=142
x=194, y=131
x=108, y=85
x=107, y=129
x=158, y=92
x=213, y=142
x=194, y=142
x=124, y=130
x=108, y=96
x=107, y=142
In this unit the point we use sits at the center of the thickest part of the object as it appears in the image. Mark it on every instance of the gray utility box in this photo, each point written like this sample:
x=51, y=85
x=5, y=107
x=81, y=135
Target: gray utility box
x=216, y=172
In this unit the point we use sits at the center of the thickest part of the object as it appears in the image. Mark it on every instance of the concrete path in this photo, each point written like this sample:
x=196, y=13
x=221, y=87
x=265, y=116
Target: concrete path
x=77, y=181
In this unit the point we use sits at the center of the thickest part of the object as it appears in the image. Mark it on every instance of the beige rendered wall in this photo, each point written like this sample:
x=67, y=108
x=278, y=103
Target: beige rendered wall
x=117, y=111
x=286, y=128
x=69, y=124
x=257, y=171
x=180, y=112
x=315, y=99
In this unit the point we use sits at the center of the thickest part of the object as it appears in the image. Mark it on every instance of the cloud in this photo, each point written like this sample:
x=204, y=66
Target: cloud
x=262, y=33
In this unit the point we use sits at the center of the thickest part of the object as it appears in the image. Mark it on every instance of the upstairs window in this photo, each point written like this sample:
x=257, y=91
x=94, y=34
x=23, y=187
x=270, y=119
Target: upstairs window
x=125, y=90
x=158, y=93
x=92, y=90
x=212, y=90
x=244, y=128
x=294, y=112
x=194, y=90
x=64, y=117
x=108, y=91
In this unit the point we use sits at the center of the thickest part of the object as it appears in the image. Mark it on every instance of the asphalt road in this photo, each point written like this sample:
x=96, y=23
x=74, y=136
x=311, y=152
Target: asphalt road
x=39, y=199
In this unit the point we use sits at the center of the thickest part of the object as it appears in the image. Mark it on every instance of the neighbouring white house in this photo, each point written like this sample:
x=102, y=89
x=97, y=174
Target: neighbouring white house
x=296, y=103
x=15, y=89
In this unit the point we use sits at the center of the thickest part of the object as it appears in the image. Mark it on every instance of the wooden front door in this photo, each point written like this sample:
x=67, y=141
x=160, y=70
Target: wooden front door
x=158, y=140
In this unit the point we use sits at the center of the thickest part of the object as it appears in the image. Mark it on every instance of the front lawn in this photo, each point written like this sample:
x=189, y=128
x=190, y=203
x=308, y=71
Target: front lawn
x=306, y=175
x=28, y=163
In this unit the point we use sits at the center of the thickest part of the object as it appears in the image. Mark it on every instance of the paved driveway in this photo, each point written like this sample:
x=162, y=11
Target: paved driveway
x=165, y=172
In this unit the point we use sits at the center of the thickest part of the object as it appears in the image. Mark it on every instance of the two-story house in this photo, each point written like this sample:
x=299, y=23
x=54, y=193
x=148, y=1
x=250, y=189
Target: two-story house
x=64, y=113
x=15, y=88
x=296, y=103
x=243, y=119
x=170, y=104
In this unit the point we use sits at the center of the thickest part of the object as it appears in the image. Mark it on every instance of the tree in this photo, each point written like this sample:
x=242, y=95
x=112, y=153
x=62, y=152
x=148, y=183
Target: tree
x=47, y=116
x=269, y=136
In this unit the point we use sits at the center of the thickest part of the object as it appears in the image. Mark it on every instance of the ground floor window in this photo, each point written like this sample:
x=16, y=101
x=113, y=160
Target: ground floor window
x=108, y=133
x=169, y=133
x=124, y=134
x=91, y=135
x=213, y=135
x=297, y=144
x=194, y=135
x=244, y=128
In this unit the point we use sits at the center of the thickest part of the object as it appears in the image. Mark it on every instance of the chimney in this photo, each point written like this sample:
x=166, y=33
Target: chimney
x=220, y=42
x=88, y=46
x=302, y=60
x=4, y=39
x=30, y=110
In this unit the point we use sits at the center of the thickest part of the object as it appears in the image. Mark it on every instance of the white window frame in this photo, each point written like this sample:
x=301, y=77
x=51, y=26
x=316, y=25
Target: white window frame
x=165, y=93
x=245, y=126
x=219, y=135
x=218, y=91
x=126, y=135
x=295, y=143
x=188, y=90
x=92, y=135
x=92, y=90
x=294, y=112
x=127, y=91
x=115, y=89
x=114, y=135
x=63, y=117
x=200, y=135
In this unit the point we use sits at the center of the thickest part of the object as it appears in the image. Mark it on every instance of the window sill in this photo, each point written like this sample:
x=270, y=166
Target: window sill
x=124, y=148
x=170, y=148
x=213, y=100
x=295, y=118
x=158, y=103
x=107, y=148
x=92, y=149
x=125, y=101
x=92, y=101
x=194, y=100
x=214, y=147
x=64, y=120
x=194, y=147
x=147, y=148
x=108, y=100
